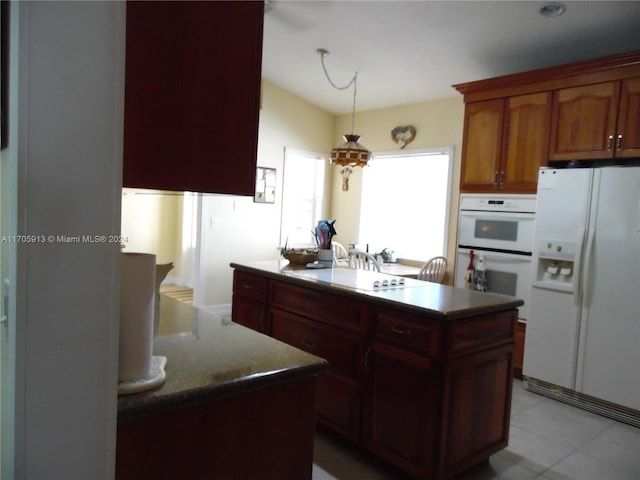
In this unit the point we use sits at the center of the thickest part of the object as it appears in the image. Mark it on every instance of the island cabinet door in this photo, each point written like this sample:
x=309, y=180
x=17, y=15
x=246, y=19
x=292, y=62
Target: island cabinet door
x=476, y=408
x=339, y=390
x=250, y=313
x=401, y=408
x=249, y=307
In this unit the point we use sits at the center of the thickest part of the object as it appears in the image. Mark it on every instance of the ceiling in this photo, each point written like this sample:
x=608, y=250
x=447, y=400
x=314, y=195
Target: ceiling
x=413, y=51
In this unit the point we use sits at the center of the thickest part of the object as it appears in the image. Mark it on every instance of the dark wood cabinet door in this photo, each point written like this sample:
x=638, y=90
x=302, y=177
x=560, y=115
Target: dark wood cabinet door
x=192, y=95
x=628, y=131
x=400, y=409
x=528, y=121
x=583, y=125
x=339, y=391
x=476, y=406
x=482, y=146
x=250, y=313
x=262, y=433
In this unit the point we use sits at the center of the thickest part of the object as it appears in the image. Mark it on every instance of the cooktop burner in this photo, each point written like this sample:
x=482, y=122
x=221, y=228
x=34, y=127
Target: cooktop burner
x=356, y=279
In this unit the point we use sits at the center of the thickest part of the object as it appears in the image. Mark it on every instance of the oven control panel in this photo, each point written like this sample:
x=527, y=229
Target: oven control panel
x=498, y=203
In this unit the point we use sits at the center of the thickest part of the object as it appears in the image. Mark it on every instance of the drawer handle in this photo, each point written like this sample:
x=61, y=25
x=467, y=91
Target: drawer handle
x=400, y=331
x=619, y=142
x=610, y=142
x=309, y=344
x=248, y=286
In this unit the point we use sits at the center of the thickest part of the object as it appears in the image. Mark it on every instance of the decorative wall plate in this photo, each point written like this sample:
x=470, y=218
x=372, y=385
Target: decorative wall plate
x=403, y=135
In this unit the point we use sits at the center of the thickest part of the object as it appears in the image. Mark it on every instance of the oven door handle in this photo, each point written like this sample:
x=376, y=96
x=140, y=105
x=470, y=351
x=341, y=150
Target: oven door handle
x=507, y=258
x=497, y=256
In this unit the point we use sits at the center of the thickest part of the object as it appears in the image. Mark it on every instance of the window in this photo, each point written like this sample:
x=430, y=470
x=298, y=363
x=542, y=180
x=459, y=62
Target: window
x=405, y=202
x=303, y=197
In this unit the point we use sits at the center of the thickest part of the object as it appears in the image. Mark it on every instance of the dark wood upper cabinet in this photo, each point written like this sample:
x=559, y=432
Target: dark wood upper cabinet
x=192, y=95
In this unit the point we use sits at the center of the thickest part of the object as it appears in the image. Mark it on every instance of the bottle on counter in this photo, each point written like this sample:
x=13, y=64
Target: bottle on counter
x=468, y=276
x=480, y=277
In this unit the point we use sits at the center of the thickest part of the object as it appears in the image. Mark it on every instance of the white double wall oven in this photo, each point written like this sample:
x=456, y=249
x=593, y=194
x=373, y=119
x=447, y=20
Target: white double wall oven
x=500, y=229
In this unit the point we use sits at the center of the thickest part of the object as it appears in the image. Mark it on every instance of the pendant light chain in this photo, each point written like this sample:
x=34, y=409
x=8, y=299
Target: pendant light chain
x=353, y=113
x=354, y=82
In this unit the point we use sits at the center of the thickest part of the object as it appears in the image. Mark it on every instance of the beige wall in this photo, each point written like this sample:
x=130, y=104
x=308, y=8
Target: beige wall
x=438, y=123
x=152, y=223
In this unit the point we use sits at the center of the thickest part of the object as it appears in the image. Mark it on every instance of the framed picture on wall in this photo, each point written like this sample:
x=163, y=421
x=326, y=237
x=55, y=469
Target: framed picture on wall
x=265, y=185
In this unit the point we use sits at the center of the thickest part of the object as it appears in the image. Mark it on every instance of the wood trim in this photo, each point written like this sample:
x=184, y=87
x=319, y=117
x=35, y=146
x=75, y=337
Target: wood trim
x=616, y=67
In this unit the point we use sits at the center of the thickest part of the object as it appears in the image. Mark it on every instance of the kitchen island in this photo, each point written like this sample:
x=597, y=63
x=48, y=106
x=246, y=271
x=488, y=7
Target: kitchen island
x=420, y=374
x=235, y=404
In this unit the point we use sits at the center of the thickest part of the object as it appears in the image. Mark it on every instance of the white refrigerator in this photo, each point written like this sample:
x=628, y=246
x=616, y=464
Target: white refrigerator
x=583, y=331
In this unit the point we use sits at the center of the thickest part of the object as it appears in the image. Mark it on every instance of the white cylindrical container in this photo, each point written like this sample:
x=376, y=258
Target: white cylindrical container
x=137, y=298
x=325, y=256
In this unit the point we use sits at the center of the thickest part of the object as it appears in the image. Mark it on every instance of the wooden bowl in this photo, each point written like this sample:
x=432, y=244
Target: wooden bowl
x=300, y=257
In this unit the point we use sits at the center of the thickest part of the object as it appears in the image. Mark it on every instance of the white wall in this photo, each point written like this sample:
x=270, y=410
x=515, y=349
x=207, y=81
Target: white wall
x=71, y=90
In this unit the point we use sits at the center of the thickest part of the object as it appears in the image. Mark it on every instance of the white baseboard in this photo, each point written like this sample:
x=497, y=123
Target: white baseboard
x=174, y=280
x=220, y=310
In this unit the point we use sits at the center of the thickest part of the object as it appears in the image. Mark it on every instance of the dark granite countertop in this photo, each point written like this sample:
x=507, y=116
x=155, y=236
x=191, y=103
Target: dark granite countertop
x=438, y=302
x=209, y=357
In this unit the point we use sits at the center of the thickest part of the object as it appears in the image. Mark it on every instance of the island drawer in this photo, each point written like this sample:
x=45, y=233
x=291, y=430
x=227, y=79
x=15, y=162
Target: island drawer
x=486, y=331
x=250, y=286
x=317, y=305
x=405, y=330
x=344, y=351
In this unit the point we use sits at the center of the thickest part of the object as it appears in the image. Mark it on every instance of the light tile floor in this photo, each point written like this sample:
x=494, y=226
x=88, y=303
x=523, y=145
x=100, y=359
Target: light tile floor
x=548, y=441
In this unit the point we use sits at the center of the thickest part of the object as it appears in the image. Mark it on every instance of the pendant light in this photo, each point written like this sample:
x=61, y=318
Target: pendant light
x=351, y=153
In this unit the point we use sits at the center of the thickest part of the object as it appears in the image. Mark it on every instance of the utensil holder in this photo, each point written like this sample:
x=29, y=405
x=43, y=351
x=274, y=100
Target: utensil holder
x=325, y=256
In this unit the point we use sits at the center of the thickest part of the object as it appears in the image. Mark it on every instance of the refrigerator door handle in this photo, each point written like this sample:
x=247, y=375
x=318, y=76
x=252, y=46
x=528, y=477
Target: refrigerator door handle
x=578, y=268
x=586, y=272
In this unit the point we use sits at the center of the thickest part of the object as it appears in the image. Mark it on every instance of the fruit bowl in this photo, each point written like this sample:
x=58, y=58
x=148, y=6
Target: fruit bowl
x=300, y=257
